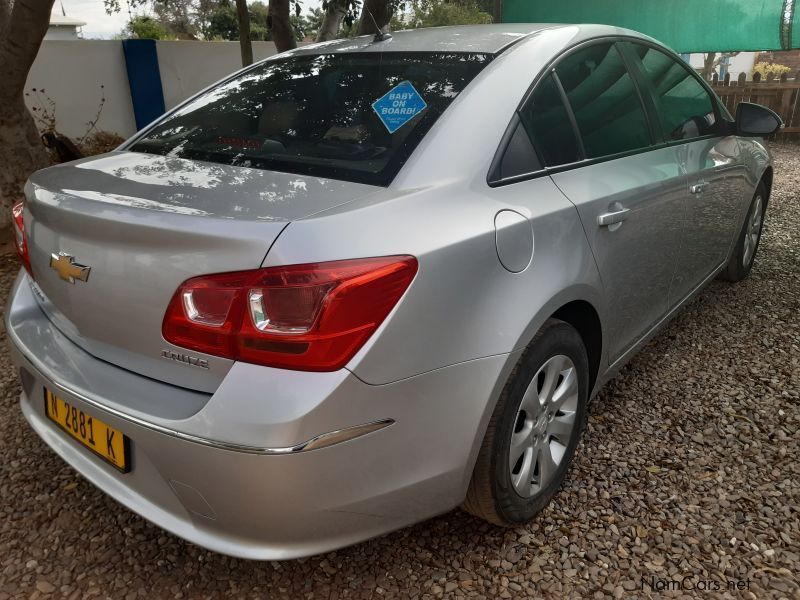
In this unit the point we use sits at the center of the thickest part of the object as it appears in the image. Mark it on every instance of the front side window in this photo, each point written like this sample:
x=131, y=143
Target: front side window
x=605, y=101
x=354, y=116
x=685, y=108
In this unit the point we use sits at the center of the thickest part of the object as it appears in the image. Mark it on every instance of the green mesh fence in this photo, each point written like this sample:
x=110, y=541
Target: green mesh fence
x=685, y=25
x=791, y=24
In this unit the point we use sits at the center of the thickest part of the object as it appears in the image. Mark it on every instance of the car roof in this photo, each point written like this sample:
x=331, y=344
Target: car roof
x=489, y=39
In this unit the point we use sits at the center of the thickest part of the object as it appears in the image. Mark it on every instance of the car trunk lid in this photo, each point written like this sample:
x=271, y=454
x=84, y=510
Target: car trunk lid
x=142, y=225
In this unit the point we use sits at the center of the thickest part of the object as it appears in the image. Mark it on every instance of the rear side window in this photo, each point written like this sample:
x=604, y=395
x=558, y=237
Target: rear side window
x=548, y=123
x=314, y=115
x=604, y=100
x=519, y=157
x=685, y=108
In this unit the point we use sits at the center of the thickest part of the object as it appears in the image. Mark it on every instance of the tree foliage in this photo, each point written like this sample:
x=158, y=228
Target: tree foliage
x=177, y=18
x=222, y=23
x=259, y=21
x=145, y=27
x=437, y=13
x=312, y=22
x=217, y=19
x=214, y=19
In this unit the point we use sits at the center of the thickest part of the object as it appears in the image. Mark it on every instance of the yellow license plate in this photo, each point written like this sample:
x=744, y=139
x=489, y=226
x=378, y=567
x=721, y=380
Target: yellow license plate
x=102, y=439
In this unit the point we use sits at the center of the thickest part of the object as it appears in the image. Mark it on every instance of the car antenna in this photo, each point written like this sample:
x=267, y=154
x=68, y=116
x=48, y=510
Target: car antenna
x=380, y=36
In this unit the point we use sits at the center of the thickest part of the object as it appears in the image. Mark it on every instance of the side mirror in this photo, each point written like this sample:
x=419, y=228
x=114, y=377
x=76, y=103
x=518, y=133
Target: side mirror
x=756, y=120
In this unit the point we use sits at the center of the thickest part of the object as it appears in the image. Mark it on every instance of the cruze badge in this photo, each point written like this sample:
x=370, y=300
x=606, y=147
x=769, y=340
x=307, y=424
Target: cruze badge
x=186, y=359
x=66, y=267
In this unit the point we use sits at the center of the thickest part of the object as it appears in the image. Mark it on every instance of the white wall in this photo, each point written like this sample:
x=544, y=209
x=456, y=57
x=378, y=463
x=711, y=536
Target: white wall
x=741, y=63
x=71, y=73
x=188, y=67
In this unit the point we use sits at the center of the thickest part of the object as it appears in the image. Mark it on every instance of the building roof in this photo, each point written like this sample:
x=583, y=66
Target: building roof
x=62, y=21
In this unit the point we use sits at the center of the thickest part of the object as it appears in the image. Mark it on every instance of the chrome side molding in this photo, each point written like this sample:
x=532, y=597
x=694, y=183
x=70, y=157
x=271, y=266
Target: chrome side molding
x=342, y=435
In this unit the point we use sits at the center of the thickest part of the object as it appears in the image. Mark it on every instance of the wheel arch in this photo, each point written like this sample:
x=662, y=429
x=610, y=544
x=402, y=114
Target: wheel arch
x=583, y=316
x=582, y=305
x=766, y=178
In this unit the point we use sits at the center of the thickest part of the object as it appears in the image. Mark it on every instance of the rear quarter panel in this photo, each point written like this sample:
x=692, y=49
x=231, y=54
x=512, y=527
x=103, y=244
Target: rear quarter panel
x=463, y=304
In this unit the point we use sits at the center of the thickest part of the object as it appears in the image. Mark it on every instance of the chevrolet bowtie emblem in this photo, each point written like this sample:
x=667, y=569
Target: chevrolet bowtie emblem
x=67, y=268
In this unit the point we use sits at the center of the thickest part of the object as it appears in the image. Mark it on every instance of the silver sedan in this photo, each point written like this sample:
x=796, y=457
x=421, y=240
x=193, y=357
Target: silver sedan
x=362, y=283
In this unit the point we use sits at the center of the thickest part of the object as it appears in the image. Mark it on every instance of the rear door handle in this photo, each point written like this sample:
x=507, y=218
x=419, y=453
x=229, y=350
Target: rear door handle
x=618, y=216
x=698, y=188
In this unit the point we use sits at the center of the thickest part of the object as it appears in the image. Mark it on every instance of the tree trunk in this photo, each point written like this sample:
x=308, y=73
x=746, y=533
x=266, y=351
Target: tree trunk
x=280, y=26
x=708, y=65
x=245, y=45
x=331, y=21
x=22, y=28
x=497, y=12
x=381, y=13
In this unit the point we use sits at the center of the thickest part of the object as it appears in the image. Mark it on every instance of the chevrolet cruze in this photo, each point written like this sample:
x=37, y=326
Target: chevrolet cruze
x=362, y=283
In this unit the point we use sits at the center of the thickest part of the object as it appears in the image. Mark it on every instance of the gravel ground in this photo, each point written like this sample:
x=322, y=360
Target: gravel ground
x=689, y=471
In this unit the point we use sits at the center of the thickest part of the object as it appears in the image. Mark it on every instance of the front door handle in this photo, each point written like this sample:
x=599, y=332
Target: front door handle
x=618, y=216
x=698, y=188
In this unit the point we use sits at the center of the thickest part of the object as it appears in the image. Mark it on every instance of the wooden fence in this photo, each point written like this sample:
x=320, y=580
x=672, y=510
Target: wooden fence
x=781, y=95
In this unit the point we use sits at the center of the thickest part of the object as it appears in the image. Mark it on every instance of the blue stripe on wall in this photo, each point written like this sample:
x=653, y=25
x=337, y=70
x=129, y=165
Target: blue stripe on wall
x=144, y=78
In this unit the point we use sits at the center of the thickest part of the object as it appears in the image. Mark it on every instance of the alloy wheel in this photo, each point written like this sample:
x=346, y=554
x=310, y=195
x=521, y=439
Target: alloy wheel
x=753, y=231
x=544, y=426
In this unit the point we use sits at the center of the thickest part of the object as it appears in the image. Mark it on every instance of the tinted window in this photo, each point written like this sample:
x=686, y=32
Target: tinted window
x=519, y=157
x=314, y=115
x=604, y=100
x=685, y=108
x=549, y=125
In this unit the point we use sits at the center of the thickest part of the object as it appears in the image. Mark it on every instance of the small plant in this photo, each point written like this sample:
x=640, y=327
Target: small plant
x=60, y=147
x=92, y=124
x=767, y=69
x=43, y=108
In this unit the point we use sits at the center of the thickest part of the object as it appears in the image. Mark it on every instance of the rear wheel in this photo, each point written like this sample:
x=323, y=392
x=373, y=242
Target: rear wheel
x=744, y=253
x=534, y=430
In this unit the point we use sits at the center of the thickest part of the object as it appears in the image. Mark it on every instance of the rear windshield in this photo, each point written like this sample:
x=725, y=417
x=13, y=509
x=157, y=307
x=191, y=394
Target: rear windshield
x=354, y=116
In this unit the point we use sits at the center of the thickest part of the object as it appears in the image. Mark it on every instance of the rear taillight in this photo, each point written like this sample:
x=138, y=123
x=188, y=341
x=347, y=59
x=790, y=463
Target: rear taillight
x=311, y=317
x=20, y=239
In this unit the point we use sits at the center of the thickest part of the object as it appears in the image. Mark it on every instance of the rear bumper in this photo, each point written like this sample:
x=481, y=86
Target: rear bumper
x=263, y=505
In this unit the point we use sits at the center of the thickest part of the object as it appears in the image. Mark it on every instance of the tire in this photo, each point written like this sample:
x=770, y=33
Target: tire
x=744, y=253
x=494, y=491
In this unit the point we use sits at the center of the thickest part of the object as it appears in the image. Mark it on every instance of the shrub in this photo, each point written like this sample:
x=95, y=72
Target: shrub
x=100, y=142
x=765, y=69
